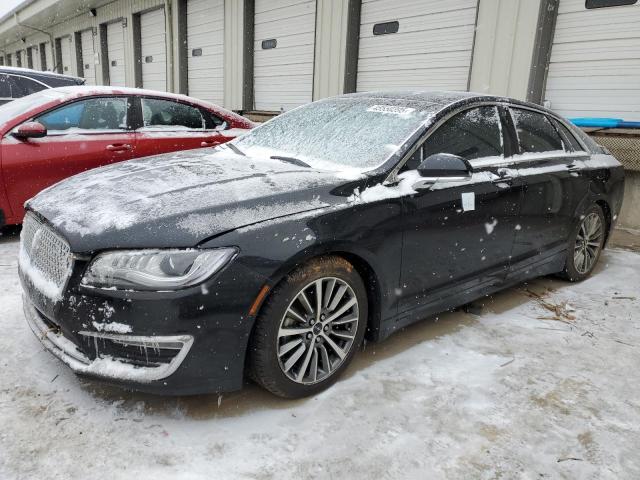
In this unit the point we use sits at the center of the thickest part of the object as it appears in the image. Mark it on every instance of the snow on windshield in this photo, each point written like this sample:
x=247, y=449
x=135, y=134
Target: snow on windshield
x=346, y=133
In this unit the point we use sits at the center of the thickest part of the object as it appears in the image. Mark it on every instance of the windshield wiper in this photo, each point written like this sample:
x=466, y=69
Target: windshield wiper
x=293, y=160
x=235, y=149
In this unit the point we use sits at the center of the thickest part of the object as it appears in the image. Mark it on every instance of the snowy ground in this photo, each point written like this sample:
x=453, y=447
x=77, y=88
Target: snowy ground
x=544, y=383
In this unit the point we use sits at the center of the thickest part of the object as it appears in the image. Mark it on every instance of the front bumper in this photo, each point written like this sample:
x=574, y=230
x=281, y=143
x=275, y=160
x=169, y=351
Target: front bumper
x=107, y=367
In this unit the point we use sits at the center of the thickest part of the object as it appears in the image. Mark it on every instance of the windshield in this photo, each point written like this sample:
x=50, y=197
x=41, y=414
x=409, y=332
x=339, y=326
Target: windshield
x=338, y=134
x=21, y=105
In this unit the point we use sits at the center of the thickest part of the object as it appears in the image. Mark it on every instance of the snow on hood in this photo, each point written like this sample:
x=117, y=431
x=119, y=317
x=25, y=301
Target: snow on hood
x=179, y=199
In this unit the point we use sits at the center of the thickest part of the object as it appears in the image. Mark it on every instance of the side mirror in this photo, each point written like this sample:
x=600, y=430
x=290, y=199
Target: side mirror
x=445, y=165
x=30, y=130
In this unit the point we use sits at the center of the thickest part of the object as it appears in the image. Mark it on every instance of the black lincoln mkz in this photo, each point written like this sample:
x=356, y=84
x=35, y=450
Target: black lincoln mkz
x=274, y=256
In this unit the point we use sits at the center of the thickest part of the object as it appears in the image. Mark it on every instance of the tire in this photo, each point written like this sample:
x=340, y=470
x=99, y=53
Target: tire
x=587, y=238
x=277, y=356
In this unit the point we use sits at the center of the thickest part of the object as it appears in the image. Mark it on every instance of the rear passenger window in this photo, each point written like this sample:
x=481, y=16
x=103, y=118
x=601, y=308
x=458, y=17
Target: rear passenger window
x=569, y=137
x=5, y=87
x=535, y=132
x=21, y=86
x=472, y=134
x=169, y=115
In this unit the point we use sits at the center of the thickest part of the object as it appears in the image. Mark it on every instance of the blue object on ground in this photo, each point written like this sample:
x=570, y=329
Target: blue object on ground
x=594, y=122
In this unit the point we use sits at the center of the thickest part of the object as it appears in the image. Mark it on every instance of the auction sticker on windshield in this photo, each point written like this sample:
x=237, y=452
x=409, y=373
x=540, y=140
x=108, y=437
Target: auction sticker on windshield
x=390, y=109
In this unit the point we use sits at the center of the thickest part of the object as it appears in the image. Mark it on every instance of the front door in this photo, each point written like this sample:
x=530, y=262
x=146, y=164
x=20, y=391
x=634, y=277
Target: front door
x=458, y=236
x=80, y=136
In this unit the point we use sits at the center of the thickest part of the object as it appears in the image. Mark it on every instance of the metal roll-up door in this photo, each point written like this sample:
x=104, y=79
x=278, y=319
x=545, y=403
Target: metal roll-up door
x=65, y=55
x=115, y=52
x=87, y=48
x=283, y=53
x=595, y=62
x=19, y=58
x=205, y=47
x=426, y=44
x=153, y=49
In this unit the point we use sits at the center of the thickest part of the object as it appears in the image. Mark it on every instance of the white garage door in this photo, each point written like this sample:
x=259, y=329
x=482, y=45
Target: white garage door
x=88, y=57
x=595, y=62
x=65, y=55
x=424, y=44
x=205, y=44
x=115, y=51
x=153, y=47
x=283, y=53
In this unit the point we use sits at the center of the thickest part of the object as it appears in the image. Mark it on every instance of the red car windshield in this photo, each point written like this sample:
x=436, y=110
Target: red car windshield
x=10, y=110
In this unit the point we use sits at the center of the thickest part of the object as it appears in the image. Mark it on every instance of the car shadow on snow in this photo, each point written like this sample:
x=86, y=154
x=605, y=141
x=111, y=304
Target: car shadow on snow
x=253, y=398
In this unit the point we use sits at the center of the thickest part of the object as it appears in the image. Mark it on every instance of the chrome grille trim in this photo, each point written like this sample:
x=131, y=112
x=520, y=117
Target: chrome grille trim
x=42, y=249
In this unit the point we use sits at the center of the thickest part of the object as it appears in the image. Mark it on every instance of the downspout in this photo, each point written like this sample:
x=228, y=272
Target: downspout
x=169, y=27
x=49, y=34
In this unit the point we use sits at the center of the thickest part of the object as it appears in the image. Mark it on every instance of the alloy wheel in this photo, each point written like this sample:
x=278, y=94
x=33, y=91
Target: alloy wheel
x=317, y=331
x=588, y=243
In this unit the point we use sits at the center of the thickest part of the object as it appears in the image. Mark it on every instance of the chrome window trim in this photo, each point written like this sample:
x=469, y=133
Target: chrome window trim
x=28, y=78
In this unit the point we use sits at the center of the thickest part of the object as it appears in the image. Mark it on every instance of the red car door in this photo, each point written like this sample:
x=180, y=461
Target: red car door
x=81, y=135
x=169, y=125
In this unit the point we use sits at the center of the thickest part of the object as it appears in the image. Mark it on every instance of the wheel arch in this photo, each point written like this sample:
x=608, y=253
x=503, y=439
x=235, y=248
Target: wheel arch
x=364, y=268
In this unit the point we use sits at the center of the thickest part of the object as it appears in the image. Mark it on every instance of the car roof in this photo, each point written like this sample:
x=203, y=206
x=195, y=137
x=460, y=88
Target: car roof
x=88, y=90
x=434, y=97
x=29, y=72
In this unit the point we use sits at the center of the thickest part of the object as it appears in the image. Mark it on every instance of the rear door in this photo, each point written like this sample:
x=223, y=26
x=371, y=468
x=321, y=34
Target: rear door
x=81, y=135
x=550, y=170
x=458, y=236
x=168, y=125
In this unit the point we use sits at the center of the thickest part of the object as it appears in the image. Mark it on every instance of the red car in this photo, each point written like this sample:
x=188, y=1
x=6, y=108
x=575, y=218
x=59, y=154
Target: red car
x=56, y=133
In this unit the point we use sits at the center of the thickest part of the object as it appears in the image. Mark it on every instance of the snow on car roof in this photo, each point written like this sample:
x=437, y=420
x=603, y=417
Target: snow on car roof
x=31, y=71
x=436, y=97
x=86, y=90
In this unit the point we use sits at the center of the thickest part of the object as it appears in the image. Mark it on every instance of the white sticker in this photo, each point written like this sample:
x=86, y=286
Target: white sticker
x=468, y=201
x=390, y=109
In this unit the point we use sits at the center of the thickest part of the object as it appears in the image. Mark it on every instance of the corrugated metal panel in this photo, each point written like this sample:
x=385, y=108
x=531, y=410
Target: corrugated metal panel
x=153, y=47
x=88, y=56
x=595, y=62
x=65, y=55
x=283, y=76
x=432, y=48
x=116, y=53
x=205, y=44
x=35, y=57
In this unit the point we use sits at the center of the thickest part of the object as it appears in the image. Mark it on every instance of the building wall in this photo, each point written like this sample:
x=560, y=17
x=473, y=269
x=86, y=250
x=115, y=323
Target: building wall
x=505, y=36
x=330, y=48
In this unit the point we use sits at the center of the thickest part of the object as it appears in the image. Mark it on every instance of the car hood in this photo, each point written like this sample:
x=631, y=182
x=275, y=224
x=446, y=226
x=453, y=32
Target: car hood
x=180, y=199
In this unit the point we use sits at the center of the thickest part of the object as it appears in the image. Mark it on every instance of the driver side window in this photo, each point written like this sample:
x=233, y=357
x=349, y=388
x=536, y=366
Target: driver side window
x=92, y=114
x=472, y=134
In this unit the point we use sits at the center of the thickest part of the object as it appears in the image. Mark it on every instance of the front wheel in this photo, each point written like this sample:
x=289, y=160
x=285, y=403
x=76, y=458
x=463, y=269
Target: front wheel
x=309, y=328
x=585, y=245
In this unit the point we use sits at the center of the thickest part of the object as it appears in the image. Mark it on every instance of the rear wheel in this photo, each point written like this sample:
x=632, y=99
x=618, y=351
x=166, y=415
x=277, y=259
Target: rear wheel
x=585, y=245
x=309, y=328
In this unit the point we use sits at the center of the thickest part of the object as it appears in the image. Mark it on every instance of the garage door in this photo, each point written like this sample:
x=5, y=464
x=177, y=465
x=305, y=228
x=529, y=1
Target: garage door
x=65, y=55
x=153, y=48
x=595, y=62
x=283, y=53
x=416, y=44
x=88, y=57
x=115, y=51
x=205, y=44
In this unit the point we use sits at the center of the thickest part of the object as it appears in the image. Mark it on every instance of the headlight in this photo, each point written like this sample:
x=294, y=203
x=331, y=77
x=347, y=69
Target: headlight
x=155, y=269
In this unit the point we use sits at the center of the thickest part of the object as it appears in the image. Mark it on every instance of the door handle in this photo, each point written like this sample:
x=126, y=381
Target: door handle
x=209, y=143
x=120, y=147
x=503, y=179
x=574, y=168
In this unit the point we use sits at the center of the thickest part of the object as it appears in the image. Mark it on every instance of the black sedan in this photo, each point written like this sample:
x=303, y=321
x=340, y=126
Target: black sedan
x=16, y=82
x=274, y=256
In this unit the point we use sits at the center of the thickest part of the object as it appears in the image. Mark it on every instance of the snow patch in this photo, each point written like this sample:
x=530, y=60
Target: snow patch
x=111, y=327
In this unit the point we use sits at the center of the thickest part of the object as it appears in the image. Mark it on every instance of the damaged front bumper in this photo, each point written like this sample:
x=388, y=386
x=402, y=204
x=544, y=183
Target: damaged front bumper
x=160, y=356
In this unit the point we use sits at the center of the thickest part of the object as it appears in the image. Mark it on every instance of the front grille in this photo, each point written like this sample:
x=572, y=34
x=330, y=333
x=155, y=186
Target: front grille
x=46, y=251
